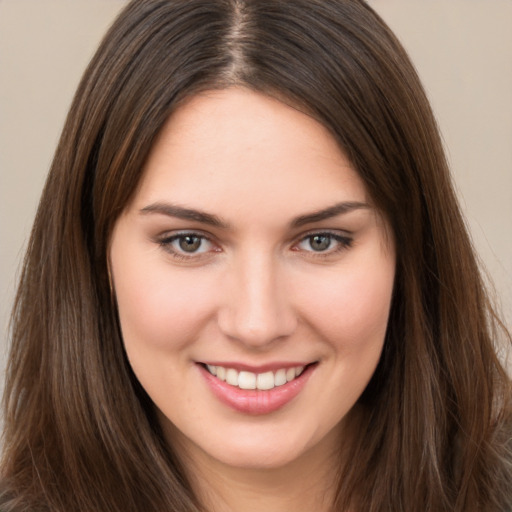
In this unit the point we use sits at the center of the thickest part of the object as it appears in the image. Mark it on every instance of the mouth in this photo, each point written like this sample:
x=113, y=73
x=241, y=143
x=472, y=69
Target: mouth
x=263, y=381
x=257, y=392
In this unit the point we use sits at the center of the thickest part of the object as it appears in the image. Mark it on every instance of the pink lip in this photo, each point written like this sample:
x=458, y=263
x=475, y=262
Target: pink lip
x=256, y=401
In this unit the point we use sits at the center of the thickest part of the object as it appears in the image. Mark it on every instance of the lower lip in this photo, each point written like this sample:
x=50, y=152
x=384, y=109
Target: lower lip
x=255, y=401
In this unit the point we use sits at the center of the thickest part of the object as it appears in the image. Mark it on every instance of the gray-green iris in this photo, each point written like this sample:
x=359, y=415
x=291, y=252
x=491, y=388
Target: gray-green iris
x=320, y=242
x=190, y=243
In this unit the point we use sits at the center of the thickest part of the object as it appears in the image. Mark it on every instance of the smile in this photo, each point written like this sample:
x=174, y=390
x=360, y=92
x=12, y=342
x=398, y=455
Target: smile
x=261, y=391
x=261, y=381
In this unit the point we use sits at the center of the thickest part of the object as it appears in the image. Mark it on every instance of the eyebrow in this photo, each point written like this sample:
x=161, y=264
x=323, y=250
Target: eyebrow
x=328, y=213
x=181, y=212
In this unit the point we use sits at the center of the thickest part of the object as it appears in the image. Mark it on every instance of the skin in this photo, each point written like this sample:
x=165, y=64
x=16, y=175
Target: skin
x=255, y=292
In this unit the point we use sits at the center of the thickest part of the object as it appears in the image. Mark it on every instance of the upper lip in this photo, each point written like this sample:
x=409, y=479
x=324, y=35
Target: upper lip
x=261, y=368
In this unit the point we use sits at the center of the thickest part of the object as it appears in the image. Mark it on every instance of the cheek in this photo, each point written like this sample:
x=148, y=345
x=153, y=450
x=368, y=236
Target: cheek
x=160, y=307
x=350, y=308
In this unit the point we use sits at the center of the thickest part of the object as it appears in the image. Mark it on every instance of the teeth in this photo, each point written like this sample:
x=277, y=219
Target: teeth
x=232, y=377
x=265, y=380
x=247, y=380
x=250, y=380
x=280, y=377
x=221, y=372
x=290, y=374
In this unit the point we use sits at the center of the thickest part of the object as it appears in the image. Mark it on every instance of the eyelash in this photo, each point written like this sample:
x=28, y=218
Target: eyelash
x=166, y=244
x=343, y=242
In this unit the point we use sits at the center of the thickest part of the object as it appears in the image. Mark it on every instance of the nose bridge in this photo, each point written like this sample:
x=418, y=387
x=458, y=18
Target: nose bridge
x=257, y=310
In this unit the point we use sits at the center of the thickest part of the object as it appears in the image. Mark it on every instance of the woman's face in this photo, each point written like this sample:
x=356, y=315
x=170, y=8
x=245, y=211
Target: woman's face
x=253, y=279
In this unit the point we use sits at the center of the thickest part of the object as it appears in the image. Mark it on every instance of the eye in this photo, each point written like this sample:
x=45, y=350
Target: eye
x=184, y=245
x=324, y=243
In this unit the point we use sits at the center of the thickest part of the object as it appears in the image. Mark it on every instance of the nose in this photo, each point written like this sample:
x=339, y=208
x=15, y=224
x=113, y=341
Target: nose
x=256, y=310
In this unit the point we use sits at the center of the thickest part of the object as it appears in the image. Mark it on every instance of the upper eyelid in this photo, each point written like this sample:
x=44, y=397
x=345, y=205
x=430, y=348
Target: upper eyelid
x=166, y=235
x=336, y=235
x=210, y=237
x=327, y=231
x=343, y=233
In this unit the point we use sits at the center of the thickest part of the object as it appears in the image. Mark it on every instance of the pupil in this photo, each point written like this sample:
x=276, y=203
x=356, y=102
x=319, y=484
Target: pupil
x=320, y=242
x=190, y=243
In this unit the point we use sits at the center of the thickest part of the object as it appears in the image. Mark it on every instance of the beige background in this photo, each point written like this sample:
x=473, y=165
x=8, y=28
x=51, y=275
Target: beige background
x=462, y=49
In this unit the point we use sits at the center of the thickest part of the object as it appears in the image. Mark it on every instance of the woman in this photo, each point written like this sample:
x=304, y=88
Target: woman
x=249, y=284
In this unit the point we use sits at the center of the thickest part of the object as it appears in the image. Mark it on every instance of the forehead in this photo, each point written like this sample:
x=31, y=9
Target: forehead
x=236, y=147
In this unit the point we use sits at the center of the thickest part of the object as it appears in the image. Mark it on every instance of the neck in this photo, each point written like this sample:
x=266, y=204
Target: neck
x=273, y=490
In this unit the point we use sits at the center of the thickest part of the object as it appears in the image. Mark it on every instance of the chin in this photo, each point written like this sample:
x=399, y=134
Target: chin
x=256, y=445
x=261, y=457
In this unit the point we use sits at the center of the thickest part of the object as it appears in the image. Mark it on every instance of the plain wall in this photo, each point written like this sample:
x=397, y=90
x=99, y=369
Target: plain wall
x=462, y=50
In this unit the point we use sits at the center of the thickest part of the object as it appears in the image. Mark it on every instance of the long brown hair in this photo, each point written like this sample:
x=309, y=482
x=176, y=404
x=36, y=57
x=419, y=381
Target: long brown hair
x=80, y=432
